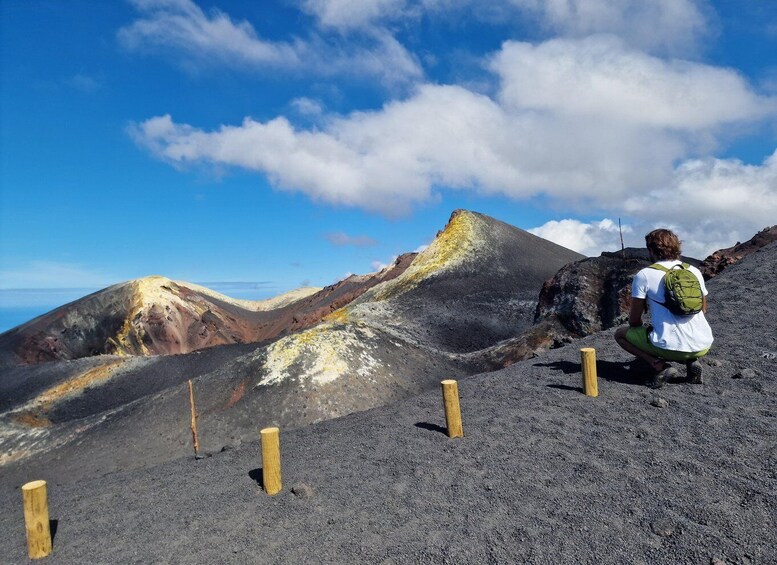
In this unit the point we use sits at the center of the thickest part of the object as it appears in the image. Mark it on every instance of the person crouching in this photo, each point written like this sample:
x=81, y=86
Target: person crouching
x=670, y=337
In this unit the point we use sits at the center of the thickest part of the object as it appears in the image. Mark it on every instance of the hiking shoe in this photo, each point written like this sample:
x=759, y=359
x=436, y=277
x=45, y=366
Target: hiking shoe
x=661, y=377
x=693, y=372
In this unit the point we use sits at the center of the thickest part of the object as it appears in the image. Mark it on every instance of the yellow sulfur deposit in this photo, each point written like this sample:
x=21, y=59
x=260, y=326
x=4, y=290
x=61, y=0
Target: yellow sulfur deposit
x=453, y=246
x=339, y=316
x=76, y=384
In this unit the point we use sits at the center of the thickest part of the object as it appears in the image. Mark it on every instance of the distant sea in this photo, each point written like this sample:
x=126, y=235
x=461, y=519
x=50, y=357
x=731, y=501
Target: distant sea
x=20, y=305
x=11, y=317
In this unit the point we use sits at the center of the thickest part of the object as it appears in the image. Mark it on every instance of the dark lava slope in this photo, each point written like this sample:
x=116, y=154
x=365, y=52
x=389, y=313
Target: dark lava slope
x=543, y=474
x=475, y=285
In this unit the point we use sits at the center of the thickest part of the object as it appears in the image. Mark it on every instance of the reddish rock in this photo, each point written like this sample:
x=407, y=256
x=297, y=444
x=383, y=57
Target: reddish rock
x=723, y=258
x=157, y=316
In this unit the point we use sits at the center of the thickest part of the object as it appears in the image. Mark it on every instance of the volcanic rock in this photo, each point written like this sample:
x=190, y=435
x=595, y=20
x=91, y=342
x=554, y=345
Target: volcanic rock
x=158, y=316
x=659, y=402
x=724, y=258
x=592, y=294
x=744, y=374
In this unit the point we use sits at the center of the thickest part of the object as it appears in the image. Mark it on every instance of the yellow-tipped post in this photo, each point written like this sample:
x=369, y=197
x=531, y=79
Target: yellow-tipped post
x=450, y=396
x=588, y=359
x=36, y=519
x=271, y=460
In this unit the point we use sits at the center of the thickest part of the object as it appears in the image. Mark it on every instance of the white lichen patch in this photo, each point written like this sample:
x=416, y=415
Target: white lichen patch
x=368, y=364
x=18, y=442
x=320, y=355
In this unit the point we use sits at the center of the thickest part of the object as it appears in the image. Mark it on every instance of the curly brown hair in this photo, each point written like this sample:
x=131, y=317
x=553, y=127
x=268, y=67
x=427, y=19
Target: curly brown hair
x=663, y=244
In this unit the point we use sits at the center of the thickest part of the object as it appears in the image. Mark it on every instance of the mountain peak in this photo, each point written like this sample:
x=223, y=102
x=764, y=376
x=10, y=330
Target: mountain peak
x=455, y=245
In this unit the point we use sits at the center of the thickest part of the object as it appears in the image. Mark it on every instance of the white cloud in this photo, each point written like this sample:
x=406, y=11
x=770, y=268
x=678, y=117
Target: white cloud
x=710, y=203
x=664, y=26
x=181, y=28
x=182, y=25
x=342, y=239
x=704, y=187
x=607, y=138
x=661, y=25
x=715, y=202
x=307, y=106
x=599, y=77
x=382, y=161
x=350, y=14
x=587, y=238
x=380, y=265
x=590, y=123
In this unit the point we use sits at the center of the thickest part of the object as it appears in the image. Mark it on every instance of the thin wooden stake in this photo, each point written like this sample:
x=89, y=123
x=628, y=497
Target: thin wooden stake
x=271, y=460
x=588, y=359
x=36, y=519
x=623, y=247
x=194, y=419
x=450, y=397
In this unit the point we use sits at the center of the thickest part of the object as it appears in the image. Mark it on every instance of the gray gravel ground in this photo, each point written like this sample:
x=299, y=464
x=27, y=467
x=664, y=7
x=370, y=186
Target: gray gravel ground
x=544, y=474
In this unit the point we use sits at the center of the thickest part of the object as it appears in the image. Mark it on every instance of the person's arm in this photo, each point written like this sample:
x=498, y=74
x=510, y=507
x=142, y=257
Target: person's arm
x=638, y=306
x=704, y=304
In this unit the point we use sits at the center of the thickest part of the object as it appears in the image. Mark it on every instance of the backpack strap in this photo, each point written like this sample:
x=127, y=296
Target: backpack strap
x=665, y=270
x=658, y=267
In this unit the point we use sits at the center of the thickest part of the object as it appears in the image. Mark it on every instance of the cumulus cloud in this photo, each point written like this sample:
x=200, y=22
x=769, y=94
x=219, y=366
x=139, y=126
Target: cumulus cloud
x=672, y=26
x=587, y=238
x=382, y=161
x=587, y=122
x=713, y=202
x=601, y=77
x=182, y=28
x=710, y=203
x=565, y=123
x=341, y=239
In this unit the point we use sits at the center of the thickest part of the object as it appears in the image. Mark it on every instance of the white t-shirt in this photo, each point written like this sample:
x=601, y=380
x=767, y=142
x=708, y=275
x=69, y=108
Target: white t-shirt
x=677, y=333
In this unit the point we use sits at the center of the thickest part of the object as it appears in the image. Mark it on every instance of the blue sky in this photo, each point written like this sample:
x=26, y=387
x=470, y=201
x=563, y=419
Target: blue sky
x=291, y=142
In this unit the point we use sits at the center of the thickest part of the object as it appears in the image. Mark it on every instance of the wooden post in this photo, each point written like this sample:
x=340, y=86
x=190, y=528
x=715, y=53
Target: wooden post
x=588, y=359
x=36, y=519
x=450, y=397
x=194, y=419
x=271, y=460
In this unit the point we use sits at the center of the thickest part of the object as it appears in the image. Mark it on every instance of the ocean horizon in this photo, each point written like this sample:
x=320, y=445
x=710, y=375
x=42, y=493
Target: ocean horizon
x=10, y=317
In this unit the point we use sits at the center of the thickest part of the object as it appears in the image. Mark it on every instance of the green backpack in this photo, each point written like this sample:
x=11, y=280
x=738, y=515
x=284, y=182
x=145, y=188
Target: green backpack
x=682, y=290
